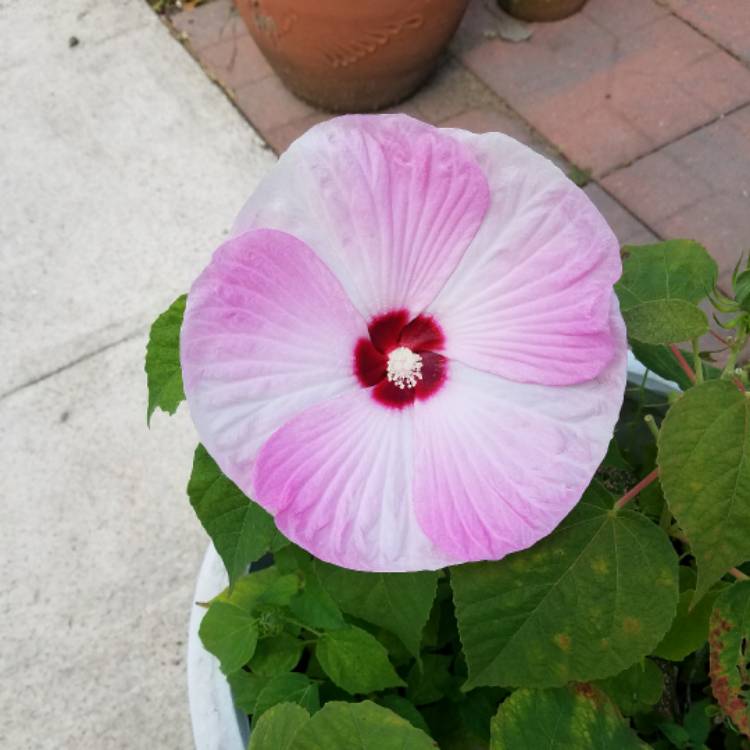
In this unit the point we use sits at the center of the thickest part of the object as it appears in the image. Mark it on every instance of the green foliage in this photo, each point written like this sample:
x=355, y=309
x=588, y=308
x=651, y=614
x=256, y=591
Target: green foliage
x=704, y=459
x=292, y=687
x=562, y=610
x=245, y=689
x=677, y=269
x=356, y=661
x=635, y=689
x=278, y=727
x=240, y=529
x=399, y=602
x=230, y=633
x=576, y=718
x=359, y=726
x=689, y=629
x=264, y=588
x=730, y=654
x=659, y=359
x=163, y=372
x=429, y=679
x=276, y=654
x=405, y=709
x=665, y=321
x=592, y=638
x=660, y=288
x=742, y=290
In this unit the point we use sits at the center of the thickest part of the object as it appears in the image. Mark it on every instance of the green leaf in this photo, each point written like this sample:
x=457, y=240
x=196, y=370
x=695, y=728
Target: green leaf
x=659, y=289
x=580, y=718
x=356, y=661
x=729, y=644
x=230, y=634
x=359, y=726
x=635, y=689
x=240, y=529
x=697, y=723
x=676, y=734
x=405, y=709
x=429, y=681
x=665, y=321
x=245, y=689
x=659, y=359
x=313, y=606
x=704, y=464
x=677, y=269
x=291, y=687
x=399, y=602
x=275, y=655
x=689, y=629
x=278, y=727
x=589, y=600
x=261, y=588
x=742, y=290
x=163, y=372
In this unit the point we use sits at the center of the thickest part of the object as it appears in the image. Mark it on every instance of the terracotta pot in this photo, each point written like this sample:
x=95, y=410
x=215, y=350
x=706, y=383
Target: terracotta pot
x=352, y=55
x=541, y=10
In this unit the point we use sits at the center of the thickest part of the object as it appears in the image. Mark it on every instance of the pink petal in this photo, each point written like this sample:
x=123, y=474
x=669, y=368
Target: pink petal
x=530, y=298
x=268, y=332
x=389, y=203
x=498, y=464
x=338, y=478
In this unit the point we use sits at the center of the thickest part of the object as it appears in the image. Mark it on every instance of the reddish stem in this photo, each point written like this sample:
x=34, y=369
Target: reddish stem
x=738, y=574
x=683, y=363
x=739, y=384
x=631, y=493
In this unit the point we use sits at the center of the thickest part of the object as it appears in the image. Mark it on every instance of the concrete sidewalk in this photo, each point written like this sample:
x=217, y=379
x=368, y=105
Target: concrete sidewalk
x=121, y=168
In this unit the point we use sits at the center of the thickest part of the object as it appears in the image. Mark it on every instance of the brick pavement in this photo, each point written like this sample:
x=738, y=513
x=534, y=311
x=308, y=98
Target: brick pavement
x=651, y=97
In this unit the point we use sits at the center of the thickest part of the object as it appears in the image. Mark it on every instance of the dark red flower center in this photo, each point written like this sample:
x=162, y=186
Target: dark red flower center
x=399, y=361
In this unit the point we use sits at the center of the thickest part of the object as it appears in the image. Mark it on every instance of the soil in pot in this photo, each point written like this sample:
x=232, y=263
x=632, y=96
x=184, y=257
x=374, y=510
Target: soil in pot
x=352, y=55
x=541, y=10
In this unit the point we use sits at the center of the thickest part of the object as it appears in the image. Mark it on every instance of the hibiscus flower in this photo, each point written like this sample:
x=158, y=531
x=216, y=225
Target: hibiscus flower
x=409, y=352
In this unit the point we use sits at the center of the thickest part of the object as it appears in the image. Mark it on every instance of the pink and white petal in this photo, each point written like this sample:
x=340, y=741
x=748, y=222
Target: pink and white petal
x=530, y=299
x=498, y=463
x=268, y=332
x=338, y=478
x=388, y=202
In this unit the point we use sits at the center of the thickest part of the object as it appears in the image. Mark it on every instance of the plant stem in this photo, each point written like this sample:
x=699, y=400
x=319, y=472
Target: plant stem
x=683, y=363
x=697, y=364
x=631, y=493
x=738, y=574
x=651, y=424
x=731, y=362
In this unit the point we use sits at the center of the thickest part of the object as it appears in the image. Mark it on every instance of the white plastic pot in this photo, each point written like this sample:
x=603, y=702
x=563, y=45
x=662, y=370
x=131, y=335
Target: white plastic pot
x=217, y=724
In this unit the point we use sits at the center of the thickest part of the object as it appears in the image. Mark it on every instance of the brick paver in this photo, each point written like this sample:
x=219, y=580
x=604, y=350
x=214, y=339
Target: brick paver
x=606, y=94
x=627, y=228
x=209, y=24
x=725, y=21
x=697, y=187
x=652, y=96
